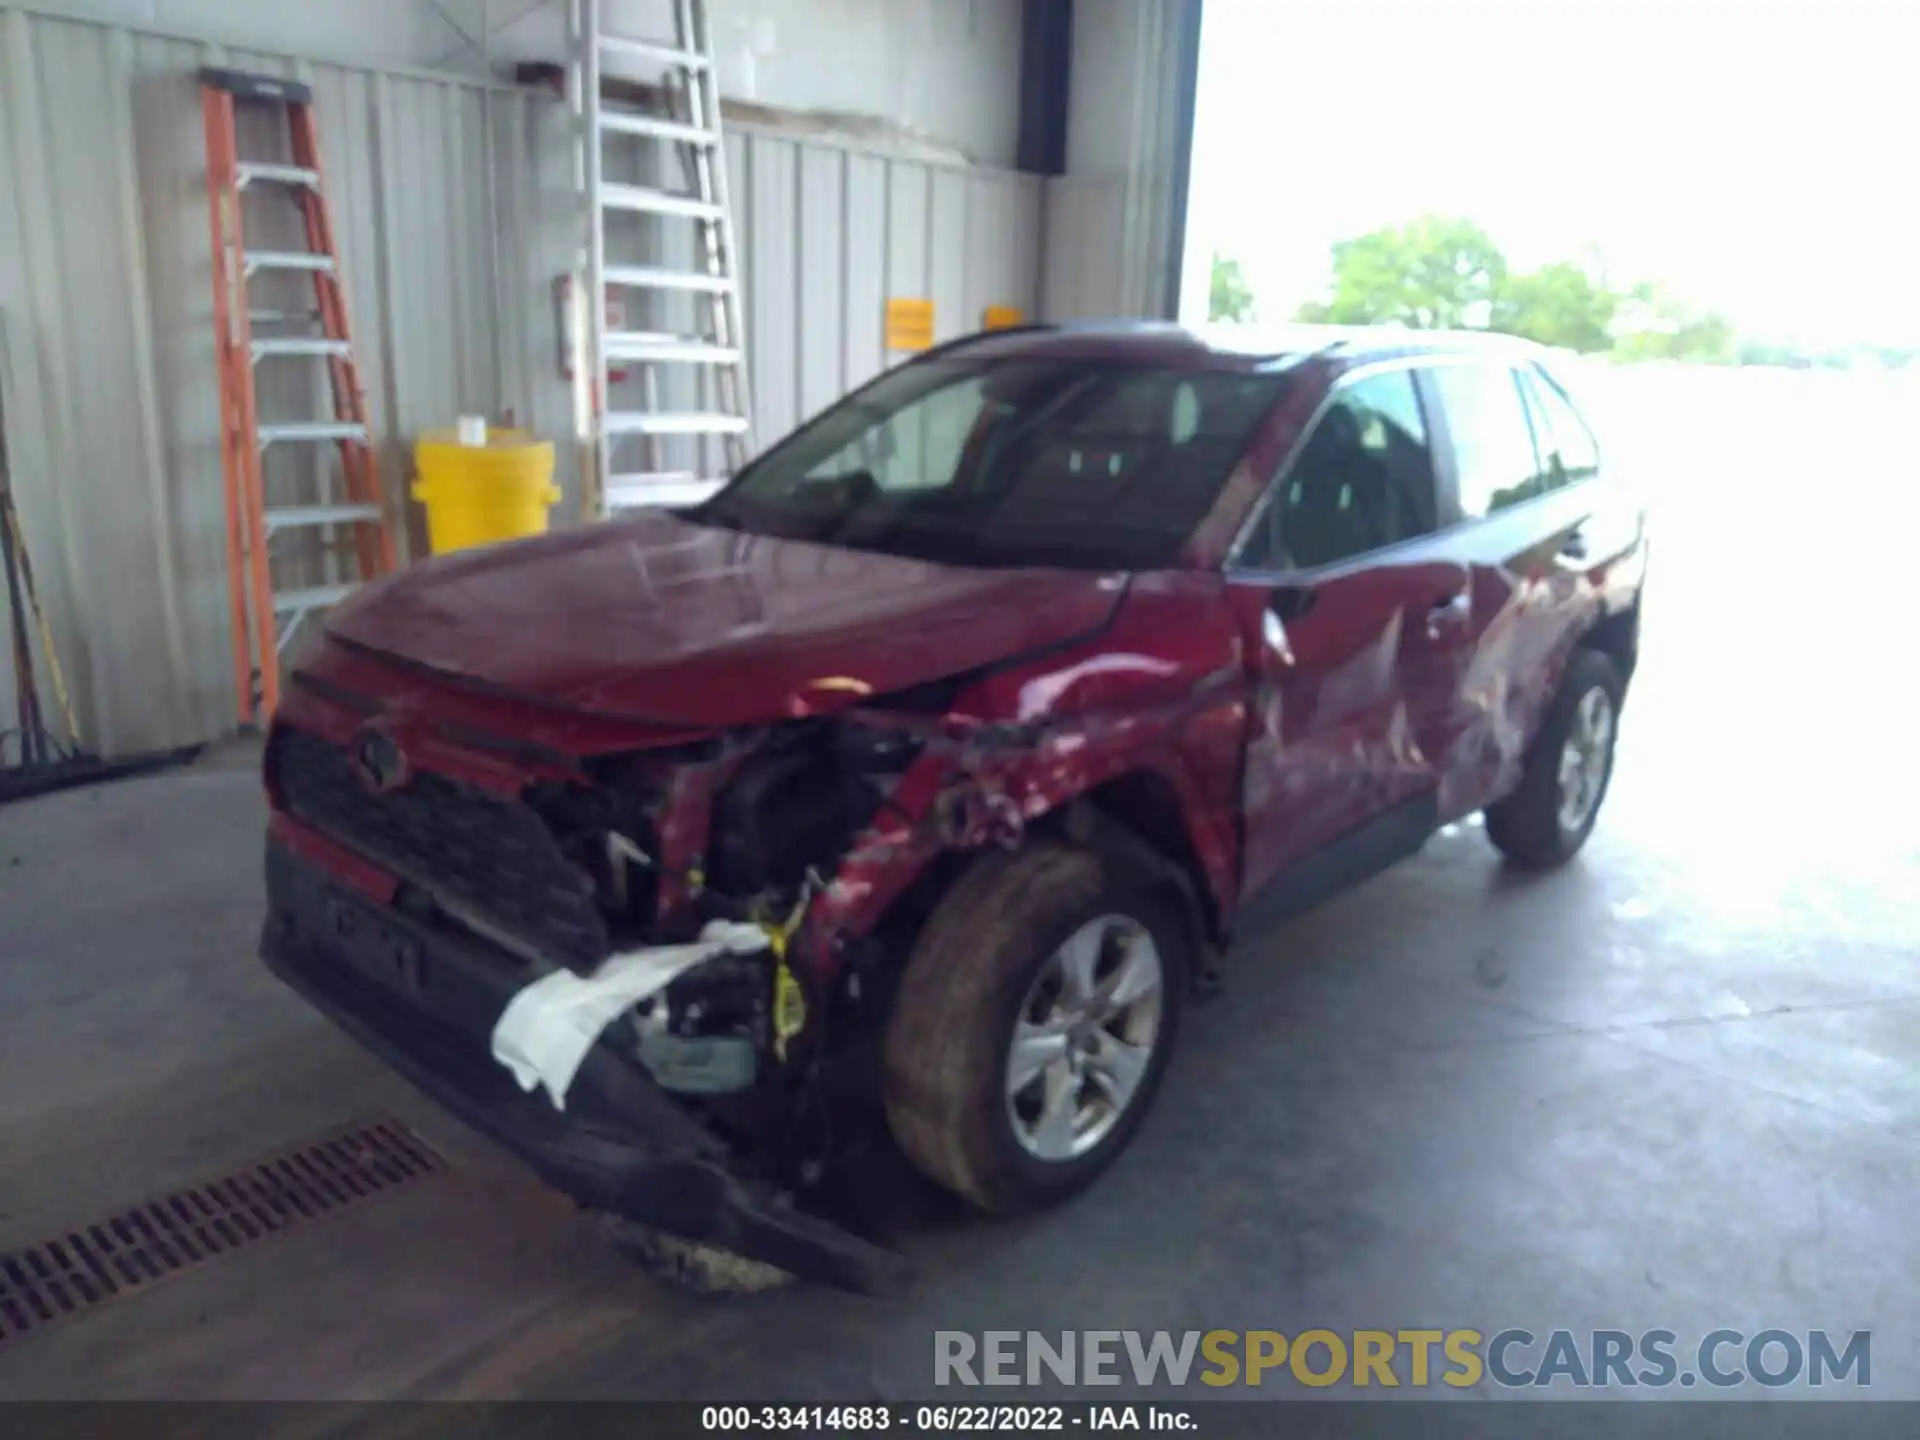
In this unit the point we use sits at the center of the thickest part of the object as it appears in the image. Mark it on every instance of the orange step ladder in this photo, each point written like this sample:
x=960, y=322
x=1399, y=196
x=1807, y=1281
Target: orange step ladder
x=265, y=617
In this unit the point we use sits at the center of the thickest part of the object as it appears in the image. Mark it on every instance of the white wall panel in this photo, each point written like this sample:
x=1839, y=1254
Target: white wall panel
x=820, y=262
x=1002, y=263
x=864, y=272
x=398, y=32
x=909, y=226
x=946, y=70
x=452, y=210
x=772, y=277
x=947, y=255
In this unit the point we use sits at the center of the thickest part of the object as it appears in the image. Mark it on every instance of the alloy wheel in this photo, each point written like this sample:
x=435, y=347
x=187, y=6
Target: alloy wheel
x=1584, y=759
x=1084, y=1038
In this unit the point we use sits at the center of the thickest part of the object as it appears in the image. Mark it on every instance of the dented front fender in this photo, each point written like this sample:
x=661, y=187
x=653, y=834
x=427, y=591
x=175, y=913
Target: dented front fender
x=1162, y=693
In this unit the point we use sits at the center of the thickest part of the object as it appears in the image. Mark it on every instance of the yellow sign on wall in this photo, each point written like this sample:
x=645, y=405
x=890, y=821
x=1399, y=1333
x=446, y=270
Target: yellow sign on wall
x=1003, y=317
x=909, y=324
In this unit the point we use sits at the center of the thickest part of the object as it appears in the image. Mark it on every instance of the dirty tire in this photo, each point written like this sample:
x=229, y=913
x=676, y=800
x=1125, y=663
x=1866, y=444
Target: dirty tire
x=952, y=1023
x=1526, y=826
x=690, y=1264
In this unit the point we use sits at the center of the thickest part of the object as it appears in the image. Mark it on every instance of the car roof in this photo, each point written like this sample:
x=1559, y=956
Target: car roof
x=1364, y=341
x=1235, y=348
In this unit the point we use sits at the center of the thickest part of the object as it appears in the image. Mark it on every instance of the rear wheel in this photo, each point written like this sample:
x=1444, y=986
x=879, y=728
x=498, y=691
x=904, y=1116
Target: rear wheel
x=1032, y=1026
x=1548, y=817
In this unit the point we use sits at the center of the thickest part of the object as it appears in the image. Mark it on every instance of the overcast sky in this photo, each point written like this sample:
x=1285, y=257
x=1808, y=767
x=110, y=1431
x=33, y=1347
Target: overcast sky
x=1763, y=157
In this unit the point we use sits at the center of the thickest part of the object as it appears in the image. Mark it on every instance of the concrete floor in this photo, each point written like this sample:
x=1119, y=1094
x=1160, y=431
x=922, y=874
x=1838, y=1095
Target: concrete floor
x=1672, y=1086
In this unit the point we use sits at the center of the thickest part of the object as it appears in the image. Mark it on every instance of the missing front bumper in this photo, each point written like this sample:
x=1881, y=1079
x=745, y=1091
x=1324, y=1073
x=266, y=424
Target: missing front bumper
x=425, y=1002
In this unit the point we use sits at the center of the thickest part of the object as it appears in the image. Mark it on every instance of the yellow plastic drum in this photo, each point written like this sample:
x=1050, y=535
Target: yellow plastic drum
x=483, y=494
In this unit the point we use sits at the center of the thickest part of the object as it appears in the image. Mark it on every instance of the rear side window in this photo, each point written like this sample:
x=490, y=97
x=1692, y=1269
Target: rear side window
x=1364, y=480
x=1492, y=438
x=1566, y=445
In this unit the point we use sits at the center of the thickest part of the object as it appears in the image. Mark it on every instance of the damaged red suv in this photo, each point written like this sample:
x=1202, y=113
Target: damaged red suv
x=922, y=772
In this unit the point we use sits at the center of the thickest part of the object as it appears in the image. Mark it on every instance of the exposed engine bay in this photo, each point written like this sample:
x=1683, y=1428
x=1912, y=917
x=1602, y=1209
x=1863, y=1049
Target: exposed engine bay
x=743, y=831
x=627, y=863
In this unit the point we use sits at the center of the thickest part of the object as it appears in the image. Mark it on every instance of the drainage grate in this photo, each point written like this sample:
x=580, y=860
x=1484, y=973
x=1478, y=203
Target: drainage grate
x=85, y=1268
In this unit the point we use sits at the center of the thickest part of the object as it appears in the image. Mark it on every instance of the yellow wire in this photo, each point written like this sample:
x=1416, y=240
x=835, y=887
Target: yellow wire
x=11, y=519
x=53, y=669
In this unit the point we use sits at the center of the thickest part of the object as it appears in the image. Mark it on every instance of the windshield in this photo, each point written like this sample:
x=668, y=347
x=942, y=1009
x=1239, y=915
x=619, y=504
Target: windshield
x=1010, y=462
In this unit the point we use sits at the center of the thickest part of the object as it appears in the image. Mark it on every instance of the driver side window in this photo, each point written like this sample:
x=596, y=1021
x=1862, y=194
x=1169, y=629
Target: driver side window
x=1364, y=480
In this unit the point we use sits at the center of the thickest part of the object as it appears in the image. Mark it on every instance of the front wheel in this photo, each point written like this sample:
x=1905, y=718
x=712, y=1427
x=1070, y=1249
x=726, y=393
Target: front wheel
x=1548, y=817
x=1032, y=1026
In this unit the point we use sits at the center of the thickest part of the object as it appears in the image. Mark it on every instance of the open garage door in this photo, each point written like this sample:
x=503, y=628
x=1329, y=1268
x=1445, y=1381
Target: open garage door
x=1115, y=221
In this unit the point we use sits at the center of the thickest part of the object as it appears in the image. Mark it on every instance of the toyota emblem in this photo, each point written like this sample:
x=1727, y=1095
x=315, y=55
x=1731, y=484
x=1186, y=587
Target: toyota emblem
x=379, y=761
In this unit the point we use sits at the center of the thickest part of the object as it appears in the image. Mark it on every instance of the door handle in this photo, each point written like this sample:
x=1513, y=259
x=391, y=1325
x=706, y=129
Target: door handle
x=1574, y=547
x=1449, y=612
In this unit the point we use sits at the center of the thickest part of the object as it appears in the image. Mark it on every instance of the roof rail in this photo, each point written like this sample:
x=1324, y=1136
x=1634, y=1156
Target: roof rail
x=1063, y=327
x=960, y=342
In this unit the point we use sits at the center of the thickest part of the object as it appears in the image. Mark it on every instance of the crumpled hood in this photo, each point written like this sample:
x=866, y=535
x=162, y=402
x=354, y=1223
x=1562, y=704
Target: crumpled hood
x=658, y=619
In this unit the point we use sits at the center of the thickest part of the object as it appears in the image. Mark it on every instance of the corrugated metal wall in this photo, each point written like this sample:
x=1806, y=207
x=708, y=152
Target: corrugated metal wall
x=451, y=207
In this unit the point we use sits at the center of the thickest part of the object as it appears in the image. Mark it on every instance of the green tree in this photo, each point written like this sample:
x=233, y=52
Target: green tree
x=1708, y=339
x=1229, y=297
x=1444, y=272
x=1558, y=304
x=1434, y=273
x=1655, y=325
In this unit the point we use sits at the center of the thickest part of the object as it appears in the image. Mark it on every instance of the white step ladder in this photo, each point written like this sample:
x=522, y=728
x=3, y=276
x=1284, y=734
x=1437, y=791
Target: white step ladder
x=673, y=432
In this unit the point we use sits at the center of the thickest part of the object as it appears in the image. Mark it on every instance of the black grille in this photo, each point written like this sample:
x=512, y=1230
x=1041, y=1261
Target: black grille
x=490, y=860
